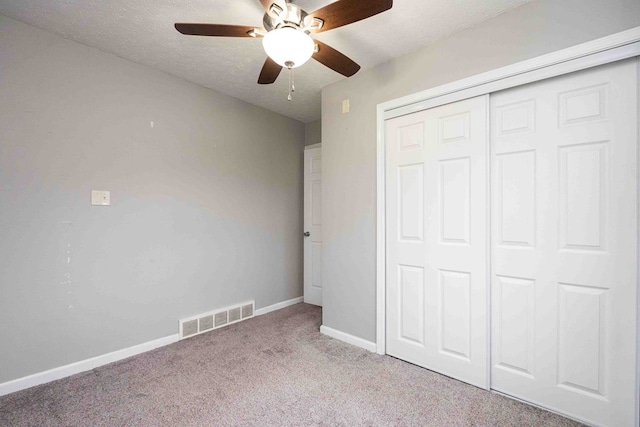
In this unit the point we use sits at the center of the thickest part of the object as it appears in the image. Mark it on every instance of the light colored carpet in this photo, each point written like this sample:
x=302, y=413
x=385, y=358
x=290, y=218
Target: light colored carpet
x=273, y=370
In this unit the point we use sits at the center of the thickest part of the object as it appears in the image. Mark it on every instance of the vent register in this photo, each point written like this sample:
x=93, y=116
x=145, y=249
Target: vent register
x=206, y=322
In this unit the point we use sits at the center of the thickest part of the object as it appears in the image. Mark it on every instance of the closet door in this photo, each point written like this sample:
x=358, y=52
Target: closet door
x=437, y=239
x=564, y=243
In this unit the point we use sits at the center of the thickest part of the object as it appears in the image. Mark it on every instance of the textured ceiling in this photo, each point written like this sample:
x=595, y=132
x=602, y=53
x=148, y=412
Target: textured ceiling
x=142, y=31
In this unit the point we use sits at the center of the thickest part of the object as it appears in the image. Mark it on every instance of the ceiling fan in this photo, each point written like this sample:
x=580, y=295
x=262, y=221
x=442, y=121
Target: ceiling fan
x=287, y=30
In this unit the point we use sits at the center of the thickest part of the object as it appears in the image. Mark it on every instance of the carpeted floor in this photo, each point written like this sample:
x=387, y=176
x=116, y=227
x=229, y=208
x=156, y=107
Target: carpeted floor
x=273, y=370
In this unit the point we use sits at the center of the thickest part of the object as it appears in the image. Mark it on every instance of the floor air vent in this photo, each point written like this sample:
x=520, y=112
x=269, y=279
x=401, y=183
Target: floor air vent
x=205, y=322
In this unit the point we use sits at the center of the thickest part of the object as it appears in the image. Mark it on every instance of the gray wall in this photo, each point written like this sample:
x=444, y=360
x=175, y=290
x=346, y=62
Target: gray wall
x=206, y=206
x=313, y=132
x=349, y=140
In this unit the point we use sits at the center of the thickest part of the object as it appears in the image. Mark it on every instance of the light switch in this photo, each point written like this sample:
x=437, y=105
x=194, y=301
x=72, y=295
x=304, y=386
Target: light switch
x=345, y=106
x=100, y=198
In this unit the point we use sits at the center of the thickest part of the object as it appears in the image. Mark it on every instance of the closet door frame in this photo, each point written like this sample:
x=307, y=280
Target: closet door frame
x=602, y=51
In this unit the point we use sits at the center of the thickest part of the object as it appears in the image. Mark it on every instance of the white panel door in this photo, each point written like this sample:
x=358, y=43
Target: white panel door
x=313, y=226
x=564, y=243
x=436, y=181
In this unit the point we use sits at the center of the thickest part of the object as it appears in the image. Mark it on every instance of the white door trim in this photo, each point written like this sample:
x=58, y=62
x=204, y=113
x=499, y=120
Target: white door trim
x=616, y=47
x=638, y=266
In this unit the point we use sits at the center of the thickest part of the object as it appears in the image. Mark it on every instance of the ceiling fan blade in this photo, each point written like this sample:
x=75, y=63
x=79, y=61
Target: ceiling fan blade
x=270, y=72
x=335, y=60
x=344, y=12
x=217, y=30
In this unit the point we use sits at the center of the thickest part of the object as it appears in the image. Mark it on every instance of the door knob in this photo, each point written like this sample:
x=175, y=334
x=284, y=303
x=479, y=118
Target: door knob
x=307, y=234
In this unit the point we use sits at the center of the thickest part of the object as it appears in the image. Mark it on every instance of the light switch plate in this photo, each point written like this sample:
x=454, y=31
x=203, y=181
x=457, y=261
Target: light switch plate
x=100, y=198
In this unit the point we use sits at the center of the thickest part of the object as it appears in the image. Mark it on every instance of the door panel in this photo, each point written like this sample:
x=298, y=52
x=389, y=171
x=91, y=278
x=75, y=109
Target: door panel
x=583, y=203
x=454, y=201
x=515, y=199
x=436, y=237
x=411, y=191
x=455, y=309
x=514, y=324
x=564, y=243
x=411, y=296
x=313, y=225
x=581, y=338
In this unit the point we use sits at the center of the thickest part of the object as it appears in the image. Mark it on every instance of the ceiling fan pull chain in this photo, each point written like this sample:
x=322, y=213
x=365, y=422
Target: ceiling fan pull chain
x=293, y=82
x=292, y=87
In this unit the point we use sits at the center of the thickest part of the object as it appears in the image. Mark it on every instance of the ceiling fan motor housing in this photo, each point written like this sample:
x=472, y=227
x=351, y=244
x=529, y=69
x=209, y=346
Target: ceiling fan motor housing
x=293, y=17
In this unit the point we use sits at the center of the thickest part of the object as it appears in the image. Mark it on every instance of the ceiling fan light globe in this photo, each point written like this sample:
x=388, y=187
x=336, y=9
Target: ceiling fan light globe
x=288, y=46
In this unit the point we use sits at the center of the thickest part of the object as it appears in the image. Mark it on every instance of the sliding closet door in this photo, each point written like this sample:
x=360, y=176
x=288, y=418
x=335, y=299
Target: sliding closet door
x=564, y=243
x=436, y=177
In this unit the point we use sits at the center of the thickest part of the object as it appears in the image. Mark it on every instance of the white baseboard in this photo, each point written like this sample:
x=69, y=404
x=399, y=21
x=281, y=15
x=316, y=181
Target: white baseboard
x=278, y=306
x=82, y=366
x=350, y=339
x=94, y=362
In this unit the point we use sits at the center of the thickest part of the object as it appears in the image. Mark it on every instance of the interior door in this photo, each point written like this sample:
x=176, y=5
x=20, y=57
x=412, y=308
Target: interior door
x=564, y=243
x=436, y=183
x=313, y=226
